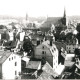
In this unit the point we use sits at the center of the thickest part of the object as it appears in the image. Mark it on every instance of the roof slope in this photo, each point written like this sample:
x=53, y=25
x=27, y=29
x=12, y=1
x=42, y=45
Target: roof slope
x=4, y=55
x=60, y=45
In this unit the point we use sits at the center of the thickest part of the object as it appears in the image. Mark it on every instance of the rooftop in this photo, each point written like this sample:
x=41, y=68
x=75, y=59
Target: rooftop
x=60, y=45
x=33, y=64
x=4, y=55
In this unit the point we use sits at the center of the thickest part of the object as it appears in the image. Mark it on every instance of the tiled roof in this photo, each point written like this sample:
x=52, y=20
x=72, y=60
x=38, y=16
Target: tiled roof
x=33, y=64
x=4, y=55
x=60, y=45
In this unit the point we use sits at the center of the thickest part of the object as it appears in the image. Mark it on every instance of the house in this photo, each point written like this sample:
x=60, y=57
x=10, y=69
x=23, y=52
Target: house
x=72, y=45
x=10, y=65
x=70, y=63
x=31, y=69
x=47, y=51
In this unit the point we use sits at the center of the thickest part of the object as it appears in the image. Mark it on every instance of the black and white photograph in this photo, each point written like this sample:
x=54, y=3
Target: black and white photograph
x=39, y=39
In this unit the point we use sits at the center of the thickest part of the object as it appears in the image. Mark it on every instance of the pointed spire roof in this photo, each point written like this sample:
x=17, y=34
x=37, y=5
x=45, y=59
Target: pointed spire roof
x=64, y=12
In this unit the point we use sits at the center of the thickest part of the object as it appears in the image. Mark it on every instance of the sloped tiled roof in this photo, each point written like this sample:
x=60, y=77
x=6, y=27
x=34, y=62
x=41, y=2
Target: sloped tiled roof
x=60, y=45
x=4, y=55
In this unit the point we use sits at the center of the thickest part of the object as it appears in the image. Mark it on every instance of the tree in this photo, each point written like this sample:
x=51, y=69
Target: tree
x=28, y=47
x=69, y=37
x=62, y=36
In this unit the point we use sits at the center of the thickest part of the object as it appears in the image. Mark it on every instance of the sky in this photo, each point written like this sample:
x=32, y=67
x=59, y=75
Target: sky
x=37, y=8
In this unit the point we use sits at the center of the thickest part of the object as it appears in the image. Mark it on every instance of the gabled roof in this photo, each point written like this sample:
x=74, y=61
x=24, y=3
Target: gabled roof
x=45, y=76
x=4, y=55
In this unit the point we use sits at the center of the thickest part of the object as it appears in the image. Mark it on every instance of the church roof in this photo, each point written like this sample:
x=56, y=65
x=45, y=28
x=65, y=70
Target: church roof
x=50, y=20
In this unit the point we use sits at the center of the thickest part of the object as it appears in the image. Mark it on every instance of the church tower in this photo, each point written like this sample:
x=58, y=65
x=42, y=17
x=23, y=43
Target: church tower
x=64, y=18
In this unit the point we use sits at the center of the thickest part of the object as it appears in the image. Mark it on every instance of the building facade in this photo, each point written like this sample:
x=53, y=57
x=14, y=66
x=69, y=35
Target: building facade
x=10, y=65
x=49, y=52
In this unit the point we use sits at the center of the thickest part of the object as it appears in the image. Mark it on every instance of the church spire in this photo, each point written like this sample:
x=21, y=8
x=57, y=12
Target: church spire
x=64, y=12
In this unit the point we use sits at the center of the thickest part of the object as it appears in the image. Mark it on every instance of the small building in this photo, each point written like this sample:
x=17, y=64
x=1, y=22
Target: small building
x=10, y=65
x=72, y=45
x=32, y=66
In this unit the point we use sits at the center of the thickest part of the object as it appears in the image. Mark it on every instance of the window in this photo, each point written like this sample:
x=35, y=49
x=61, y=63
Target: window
x=54, y=63
x=9, y=59
x=12, y=58
x=42, y=47
x=42, y=52
x=15, y=63
x=15, y=72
